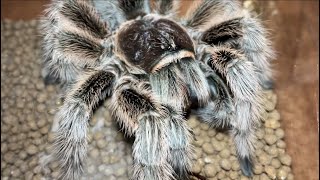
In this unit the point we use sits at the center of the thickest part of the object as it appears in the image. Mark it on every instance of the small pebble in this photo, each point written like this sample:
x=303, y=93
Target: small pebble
x=285, y=159
x=275, y=163
x=210, y=170
x=32, y=149
x=271, y=172
x=225, y=164
x=282, y=174
x=208, y=148
x=270, y=139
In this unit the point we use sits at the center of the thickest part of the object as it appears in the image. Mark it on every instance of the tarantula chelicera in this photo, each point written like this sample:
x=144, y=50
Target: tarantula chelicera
x=156, y=68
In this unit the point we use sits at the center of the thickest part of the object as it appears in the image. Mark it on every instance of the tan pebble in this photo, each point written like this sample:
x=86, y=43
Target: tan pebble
x=114, y=159
x=259, y=145
x=264, y=159
x=290, y=176
x=269, y=106
x=98, y=135
x=285, y=159
x=207, y=148
x=269, y=131
x=271, y=123
x=201, y=162
x=41, y=123
x=32, y=125
x=37, y=170
x=44, y=130
x=221, y=175
x=271, y=171
x=91, y=169
x=120, y=171
x=235, y=165
x=9, y=157
x=51, y=137
x=209, y=159
x=204, y=126
x=220, y=136
x=22, y=155
x=233, y=175
x=263, y=176
x=270, y=139
x=273, y=151
x=32, y=149
x=219, y=146
x=258, y=169
x=101, y=143
x=279, y=133
x=275, y=163
x=193, y=122
x=281, y=151
x=281, y=144
x=41, y=108
x=210, y=170
x=33, y=162
x=94, y=153
x=196, y=167
x=286, y=168
x=29, y=175
x=282, y=174
x=55, y=174
x=244, y=177
x=225, y=164
x=212, y=133
x=274, y=115
x=199, y=142
x=225, y=153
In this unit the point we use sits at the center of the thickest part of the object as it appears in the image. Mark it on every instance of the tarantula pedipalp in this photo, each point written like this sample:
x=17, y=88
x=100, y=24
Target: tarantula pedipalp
x=154, y=67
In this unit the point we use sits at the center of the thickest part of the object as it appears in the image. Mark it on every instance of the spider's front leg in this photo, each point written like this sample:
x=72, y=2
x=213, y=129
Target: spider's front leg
x=243, y=83
x=160, y=131
x=71, y=138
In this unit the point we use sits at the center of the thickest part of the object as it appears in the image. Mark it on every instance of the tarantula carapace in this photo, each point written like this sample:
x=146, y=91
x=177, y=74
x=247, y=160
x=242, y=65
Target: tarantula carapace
x=155, y=66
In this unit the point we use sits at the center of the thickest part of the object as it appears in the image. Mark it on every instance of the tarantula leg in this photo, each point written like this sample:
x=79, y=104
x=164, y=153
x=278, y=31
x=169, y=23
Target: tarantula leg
x=220, y=108
x=166, y=7
x=179, y=143
x=73, y=39
x=204, y=12
x=71, y=137
x=140, y=114
x=134, y=8
x=246, y=90
x=247, y=35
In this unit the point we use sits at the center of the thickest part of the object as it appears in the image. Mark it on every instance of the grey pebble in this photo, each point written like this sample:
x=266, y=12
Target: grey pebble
x=32, y=149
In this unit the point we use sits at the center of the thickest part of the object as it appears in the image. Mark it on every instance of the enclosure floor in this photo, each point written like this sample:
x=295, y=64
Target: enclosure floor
x=296, y=34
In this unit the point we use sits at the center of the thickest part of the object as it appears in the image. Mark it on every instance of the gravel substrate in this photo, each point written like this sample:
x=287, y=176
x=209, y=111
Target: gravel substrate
x=28, y=107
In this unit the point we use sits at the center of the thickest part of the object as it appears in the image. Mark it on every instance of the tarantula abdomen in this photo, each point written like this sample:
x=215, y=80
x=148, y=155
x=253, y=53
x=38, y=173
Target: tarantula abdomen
x=146, y=42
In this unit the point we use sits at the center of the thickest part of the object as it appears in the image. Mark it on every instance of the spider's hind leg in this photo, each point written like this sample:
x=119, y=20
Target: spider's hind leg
x=220, y=108
x=141, y=115
x=241, y=78
x=71, y=137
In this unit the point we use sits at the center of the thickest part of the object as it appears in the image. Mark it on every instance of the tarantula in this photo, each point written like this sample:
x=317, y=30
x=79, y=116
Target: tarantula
x=156, y=68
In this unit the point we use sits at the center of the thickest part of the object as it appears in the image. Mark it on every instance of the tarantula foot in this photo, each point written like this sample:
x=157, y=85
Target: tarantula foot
x=246, y=166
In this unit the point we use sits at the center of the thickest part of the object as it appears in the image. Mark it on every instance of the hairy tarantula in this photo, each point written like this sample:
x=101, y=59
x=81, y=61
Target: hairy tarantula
x=156, y=68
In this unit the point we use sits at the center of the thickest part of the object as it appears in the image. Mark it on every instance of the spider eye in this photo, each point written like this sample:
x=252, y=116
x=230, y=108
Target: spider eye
x=144, y=43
